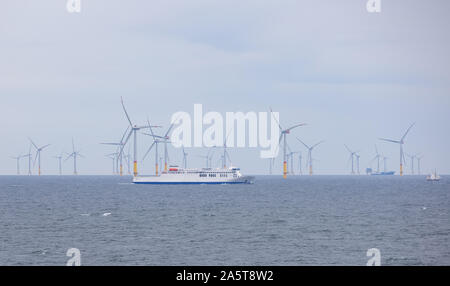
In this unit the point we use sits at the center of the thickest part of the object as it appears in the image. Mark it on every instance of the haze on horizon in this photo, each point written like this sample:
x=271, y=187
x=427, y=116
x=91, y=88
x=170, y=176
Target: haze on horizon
x=353, y=76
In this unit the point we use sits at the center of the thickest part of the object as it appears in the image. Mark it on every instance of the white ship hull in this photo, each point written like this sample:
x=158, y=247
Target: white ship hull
x=196, y=176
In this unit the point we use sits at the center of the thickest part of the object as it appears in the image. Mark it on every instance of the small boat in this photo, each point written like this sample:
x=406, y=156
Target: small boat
x=433, y=177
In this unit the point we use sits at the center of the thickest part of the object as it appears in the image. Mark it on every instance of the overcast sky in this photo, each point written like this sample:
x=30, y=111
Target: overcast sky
x=353, y=76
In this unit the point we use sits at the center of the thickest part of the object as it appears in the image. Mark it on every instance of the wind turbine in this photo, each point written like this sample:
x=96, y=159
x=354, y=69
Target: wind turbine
x=412, y=157
x=271, y=162
x=29, y=155
x=17, y=163
x=283, y=133
x=292, y=161
x=290, y=157
x=133, y=131
x=59, y=163
x=300, y=163
x=119, y=145
x=74, y=154
x=156, y=140
x=385, y=163
x=206, y=157
x=418, y=163
x=377, y=157
x=184, y=158
x=352, y=153
x=357, y=161
x=310, y=159
x=38, y=154
x=400, y=142
x=127, y=158
x=113, y=156
x=225, y=153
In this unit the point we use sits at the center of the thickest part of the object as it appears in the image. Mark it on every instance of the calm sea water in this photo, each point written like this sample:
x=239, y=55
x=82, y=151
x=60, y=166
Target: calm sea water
x=319, y=220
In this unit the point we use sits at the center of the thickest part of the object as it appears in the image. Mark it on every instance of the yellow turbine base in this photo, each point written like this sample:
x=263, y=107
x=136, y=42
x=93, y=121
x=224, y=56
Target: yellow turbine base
x=165, y=167
x=401, y=169
x=284, y=170
x=156, y=169
x=121, y=170
x=135, y=169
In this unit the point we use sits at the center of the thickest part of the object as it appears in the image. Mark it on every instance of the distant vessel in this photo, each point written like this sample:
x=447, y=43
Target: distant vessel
x=433, y=177
x=369, y=171
x=384, y=173
x=176, y=175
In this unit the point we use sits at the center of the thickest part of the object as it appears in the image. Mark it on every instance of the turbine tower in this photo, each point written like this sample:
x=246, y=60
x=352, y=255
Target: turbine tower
x=29, y=156
x=113, y=157
x=225, y=153
x=300, y=163
x=310, y=159
x=412, y=157
x=357, y=162
x=38, y=154
x=74, y=154
x=206, y=157
x=18, y=163
x=127, y=158
x=133, y=131
x=271, y=162
x=290, y=157
x=352, y=153
x=283, y=133
x=385, y=163
x=377, y=157
x=418, y=163
x=400, y=142
x=59, y=163
x=184, y=158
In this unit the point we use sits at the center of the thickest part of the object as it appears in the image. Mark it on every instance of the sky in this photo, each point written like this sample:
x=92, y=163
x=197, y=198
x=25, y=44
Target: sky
x=352, y=76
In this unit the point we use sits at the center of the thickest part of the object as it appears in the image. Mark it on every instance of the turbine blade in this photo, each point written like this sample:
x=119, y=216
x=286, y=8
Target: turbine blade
x=35, y=158
x=126, y=140
x=170, y=128
x=124, y=134
x=68, y=157
x=295, y=126
x=317, y=144
x=279, y=125
x=126, y=113
x=148, y=151
x=33, y=143
x=45, y=146
x=389, y=140
x=150, y=126
x=407, y=131
x=307, y=147
x=348, y=149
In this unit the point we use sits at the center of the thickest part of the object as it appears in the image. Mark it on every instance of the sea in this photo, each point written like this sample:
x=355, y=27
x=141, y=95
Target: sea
x=303, y=220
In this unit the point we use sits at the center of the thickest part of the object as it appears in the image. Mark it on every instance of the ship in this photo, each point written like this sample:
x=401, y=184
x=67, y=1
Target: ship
x=176, y=175
x=433, y=177
x=369, y=171
x=389, y=173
